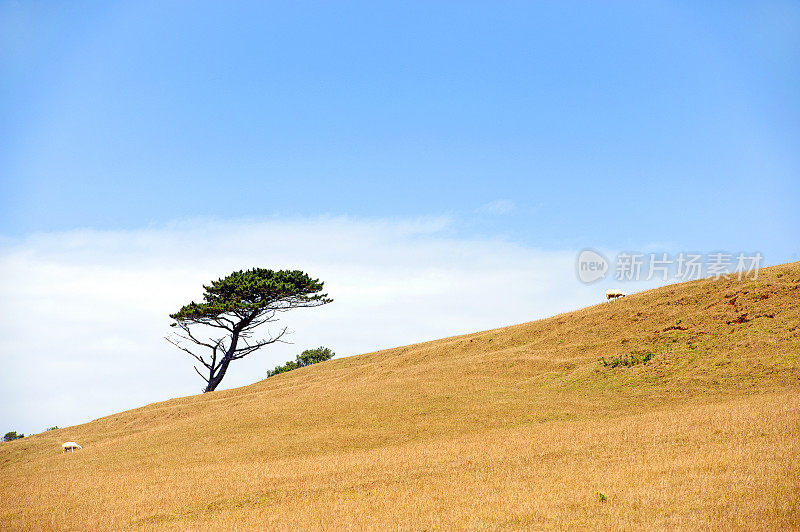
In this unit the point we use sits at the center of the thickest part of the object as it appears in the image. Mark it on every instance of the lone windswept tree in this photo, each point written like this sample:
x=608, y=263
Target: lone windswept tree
x=233, y=308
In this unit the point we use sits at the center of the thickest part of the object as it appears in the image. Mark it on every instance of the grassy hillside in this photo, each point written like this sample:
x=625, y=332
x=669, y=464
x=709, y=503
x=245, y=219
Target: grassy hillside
x=512, y=428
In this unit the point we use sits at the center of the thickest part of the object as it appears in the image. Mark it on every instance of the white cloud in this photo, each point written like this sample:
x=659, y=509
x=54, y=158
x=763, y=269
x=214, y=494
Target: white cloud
x=497, y=207
x=85, y=312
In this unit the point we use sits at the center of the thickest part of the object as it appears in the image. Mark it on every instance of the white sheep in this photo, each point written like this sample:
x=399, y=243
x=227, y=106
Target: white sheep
x=614, y=293
x=70, y=446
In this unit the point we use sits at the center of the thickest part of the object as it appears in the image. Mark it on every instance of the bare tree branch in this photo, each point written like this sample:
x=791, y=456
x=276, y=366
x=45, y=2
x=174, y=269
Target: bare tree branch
x=201, y=375
x=197, y=357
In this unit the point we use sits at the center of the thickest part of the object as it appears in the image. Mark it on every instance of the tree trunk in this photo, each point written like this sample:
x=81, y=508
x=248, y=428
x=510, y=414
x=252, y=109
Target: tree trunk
x=214, y=380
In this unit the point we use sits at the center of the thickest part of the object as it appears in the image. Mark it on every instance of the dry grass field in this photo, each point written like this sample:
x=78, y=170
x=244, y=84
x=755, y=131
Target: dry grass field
x=516, y=428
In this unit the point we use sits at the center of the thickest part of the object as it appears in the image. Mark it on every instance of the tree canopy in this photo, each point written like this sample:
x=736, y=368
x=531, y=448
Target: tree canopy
x=233, y=307
x=11, y=436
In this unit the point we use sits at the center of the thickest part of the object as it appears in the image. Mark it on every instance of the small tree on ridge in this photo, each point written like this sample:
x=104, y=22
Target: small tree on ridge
x=306, y=358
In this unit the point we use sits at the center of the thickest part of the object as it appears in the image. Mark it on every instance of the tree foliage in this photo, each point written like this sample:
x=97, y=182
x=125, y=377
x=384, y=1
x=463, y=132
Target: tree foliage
x=306, y=358
x=233, y=307
x=10, y=436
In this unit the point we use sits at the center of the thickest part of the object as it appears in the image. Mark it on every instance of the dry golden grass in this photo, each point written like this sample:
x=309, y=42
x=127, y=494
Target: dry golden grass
x=515, y=428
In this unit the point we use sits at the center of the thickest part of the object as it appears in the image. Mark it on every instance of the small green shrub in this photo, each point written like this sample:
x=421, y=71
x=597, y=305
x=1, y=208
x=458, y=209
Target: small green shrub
x=628, y=360
x=12, y=436
x=306, y=358
x=52, y=428
x=601, y=497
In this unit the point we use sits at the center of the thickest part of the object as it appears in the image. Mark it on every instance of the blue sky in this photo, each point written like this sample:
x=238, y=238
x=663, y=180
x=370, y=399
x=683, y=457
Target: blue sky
x=437, y=164
x=615, y=125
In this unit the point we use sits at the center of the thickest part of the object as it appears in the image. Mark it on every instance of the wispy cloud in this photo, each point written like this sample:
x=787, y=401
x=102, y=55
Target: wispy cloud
x=85, y=312
x=497, y=207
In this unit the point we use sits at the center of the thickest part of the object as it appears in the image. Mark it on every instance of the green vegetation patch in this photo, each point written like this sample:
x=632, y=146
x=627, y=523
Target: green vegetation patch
x=306, y=358
x=631, y=359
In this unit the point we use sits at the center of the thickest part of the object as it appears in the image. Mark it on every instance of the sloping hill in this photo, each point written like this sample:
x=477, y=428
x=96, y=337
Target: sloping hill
x=518, y=427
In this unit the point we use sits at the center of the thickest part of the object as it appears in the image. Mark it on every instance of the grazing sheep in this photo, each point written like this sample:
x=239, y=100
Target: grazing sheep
x=70, y=446
x=614, y=293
